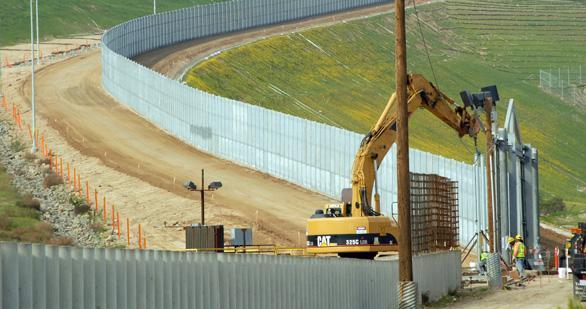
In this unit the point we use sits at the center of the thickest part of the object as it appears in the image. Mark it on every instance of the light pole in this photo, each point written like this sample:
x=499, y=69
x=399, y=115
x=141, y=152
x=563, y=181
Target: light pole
x=1, y=93
x=33, y=128
x=38, y=42
x=154, y=6
x=213, y=186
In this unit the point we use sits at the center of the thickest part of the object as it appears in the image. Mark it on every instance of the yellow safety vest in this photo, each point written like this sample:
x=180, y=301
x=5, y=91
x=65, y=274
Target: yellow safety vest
x=520, y=250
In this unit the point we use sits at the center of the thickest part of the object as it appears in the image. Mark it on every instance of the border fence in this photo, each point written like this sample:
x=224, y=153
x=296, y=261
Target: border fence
x=41, y=276
x=310, y=154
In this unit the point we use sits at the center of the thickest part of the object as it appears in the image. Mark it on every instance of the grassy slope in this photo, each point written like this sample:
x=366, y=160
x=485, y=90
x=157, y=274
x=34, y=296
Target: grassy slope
x=344, y=73
x=66, y=17
x=14, y=219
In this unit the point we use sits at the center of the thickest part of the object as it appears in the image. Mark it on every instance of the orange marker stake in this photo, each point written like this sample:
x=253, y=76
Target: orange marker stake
x=105, y=207
x=144, y=242
x=43, y=143
x=68, y=174
x=30, y=134
x=79, y=184
x=96, y=198
x=19, y=120
x=87, y=191
x=128, y=232
x=61, y=167
x=139, y=237
x=74, y=179
x=118, y=224
x=50, y=161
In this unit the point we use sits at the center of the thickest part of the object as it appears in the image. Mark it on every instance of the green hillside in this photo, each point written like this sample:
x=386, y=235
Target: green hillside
x=65, y=17
x=343, y=75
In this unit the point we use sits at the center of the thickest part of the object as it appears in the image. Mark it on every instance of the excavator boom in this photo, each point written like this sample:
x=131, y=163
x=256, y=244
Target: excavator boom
x=376, y=144
x=354, y=228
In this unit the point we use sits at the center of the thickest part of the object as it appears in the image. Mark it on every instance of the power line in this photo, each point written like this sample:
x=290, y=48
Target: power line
x=425, y=44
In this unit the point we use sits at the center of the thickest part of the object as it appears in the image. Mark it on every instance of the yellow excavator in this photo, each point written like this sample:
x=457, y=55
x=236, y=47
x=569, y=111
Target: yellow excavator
x=354, y=228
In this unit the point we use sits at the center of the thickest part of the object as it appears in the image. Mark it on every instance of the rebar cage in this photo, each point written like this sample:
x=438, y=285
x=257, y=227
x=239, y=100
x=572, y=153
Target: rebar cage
x=434, y=213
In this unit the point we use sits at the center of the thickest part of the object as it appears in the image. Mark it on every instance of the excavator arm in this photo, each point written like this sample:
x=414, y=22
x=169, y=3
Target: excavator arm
x=374, y=147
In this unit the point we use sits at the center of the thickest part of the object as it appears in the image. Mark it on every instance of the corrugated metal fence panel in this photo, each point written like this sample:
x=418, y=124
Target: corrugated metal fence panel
x=39, y=276
x=316, y=156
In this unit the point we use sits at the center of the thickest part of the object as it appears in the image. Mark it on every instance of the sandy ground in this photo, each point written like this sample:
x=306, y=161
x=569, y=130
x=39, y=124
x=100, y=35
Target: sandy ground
x=549, y=292
x=10, y=55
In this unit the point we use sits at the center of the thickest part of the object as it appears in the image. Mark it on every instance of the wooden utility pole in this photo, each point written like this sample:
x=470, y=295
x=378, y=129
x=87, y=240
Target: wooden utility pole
x=489, y=151
x=403, y=191
x=202, y=200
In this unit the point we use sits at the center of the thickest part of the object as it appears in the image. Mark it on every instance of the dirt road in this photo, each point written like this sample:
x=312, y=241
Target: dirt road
x=551, y=292
x=99, y=127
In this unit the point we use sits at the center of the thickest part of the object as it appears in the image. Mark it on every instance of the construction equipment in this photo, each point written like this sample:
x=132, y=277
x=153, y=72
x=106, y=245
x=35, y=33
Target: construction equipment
x=353, y=228
x=577, y=250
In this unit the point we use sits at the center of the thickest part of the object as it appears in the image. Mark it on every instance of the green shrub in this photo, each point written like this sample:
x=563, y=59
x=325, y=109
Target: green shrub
x=17, y=146
x=52, y=179
x=79, y=205
x=39, y=233
x=61, y=241
x=28, y=201
x=552, y=205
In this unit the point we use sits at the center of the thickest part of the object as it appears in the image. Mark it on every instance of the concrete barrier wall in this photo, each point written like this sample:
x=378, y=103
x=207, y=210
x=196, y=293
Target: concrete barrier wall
x=40, y=276
x=313, y=155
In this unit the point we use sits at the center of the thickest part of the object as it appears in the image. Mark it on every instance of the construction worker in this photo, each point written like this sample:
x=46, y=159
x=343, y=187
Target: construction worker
x=519, y=252
x=483, y=260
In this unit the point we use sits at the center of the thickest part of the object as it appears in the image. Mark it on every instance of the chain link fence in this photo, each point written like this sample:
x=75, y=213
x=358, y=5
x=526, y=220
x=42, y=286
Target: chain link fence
x=567, y=83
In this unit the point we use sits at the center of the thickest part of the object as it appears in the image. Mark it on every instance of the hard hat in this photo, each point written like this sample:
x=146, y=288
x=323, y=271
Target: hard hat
x=510, y=239
x=518, y=237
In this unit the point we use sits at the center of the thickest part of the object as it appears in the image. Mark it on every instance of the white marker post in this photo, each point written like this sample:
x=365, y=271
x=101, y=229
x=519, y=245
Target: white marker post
x=33, y=127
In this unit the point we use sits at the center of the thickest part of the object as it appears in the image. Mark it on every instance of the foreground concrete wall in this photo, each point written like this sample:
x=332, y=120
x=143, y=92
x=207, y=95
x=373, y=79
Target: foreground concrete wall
x=39, y=276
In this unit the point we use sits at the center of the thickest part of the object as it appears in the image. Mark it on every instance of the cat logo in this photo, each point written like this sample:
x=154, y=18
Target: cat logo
x=323, y=241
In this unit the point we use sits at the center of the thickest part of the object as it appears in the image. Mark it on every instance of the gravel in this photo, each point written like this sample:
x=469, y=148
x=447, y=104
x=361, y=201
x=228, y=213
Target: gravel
x=27, y=175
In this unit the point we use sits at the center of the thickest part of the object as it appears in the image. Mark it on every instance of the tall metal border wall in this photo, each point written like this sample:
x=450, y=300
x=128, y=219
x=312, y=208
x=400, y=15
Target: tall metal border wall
x=517, y=198
x=313, y=155
x=40, y=276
